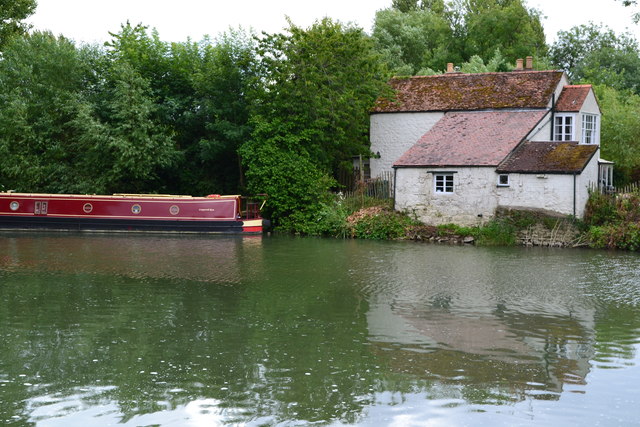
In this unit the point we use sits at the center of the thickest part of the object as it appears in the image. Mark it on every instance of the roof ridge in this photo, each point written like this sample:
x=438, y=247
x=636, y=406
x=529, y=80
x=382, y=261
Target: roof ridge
x=460, y=74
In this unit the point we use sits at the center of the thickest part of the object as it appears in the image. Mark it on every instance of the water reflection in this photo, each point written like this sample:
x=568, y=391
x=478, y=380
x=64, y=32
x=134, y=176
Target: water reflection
x=162, y=256
x=149, y=330
x=485, y=319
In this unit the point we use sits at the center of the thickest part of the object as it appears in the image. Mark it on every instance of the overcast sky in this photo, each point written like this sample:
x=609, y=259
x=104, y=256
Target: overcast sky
x=92, y=20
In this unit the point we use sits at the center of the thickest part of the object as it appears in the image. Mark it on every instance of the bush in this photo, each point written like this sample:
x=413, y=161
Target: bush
x=329, y=220
x=614, y=221
x=616, y=236
x=496, y=233
x=297, y=189
x=377, y=223
x=601, y=209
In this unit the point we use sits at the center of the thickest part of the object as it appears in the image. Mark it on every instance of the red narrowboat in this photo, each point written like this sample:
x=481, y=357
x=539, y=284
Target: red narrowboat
x=129, y=212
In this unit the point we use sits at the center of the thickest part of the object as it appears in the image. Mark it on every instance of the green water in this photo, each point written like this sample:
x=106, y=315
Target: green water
x=144, y=330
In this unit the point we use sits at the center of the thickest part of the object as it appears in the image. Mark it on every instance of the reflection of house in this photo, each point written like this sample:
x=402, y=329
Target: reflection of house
x=532, y=351
x=478, y=318
x=484, y=351
x=462, y=145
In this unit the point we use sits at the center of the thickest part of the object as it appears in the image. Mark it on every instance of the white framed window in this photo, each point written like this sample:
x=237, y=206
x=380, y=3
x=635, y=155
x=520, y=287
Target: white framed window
x=563, y=127
x=503, y=180
x=443, y=182
x=589, y=129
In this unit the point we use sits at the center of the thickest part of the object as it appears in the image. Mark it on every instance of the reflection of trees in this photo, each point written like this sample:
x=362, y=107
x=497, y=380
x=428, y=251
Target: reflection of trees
x=617, y=333
x=277, y=345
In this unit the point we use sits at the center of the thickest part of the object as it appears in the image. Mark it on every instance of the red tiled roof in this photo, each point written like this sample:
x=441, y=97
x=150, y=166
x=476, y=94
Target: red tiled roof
x=572, y=98
x=548, y=157
x=471, y=139
x=482, y=91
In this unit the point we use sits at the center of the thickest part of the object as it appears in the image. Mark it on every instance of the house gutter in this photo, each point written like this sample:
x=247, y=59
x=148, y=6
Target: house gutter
x=553, y=114
x=574, y=194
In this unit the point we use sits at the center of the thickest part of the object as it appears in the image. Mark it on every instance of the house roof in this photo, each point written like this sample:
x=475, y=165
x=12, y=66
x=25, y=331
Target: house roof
x=482, y=91
x=481, y=138
x=572, y=98
x=548, y=157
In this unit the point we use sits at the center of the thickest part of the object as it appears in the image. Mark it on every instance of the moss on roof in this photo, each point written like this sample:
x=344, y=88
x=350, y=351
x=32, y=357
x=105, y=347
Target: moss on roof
x=548, y=157
x=457, y=91
x=572, y=98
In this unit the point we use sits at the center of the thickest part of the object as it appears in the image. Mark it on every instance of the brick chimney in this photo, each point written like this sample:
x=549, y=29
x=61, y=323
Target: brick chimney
x=450, y=67
x=529, y=63
x=519, y=64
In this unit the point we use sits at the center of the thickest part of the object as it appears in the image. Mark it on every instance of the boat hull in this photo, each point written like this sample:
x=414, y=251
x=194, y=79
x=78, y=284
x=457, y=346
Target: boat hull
x=125, y=213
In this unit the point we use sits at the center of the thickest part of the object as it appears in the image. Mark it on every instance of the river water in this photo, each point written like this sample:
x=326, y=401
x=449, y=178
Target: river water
x=143, y=330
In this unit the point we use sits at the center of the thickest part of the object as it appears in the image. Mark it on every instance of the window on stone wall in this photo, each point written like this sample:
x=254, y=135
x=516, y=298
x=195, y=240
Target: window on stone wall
x=443, y=182
x=503, y=180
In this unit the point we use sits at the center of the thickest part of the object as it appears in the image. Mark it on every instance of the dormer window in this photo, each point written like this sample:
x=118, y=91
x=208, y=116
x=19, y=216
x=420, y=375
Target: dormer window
x=589, y=129
x=563, y=127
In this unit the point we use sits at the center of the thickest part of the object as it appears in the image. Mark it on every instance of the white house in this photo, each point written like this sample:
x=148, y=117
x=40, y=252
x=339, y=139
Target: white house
x=463, y=145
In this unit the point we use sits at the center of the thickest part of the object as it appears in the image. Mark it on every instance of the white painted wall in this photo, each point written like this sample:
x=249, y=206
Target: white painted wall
x=552, y=193
x=476, y=193
x=590, y=106
x=588, y=178
x=542, y=132
x=394, y=133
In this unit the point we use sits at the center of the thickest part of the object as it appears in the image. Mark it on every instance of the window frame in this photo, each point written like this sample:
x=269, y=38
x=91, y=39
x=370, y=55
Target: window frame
x=504, y=184
x=560, y=129
x=447, y=182
x=591, y=134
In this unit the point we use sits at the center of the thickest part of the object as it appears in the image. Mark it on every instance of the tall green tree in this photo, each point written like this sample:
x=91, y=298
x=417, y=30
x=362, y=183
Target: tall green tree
x=322, y=81
x=12, y=13
x=200, y=91
x=312, y=114
x=138, y=147
x=217, y=122
x=43, y=89
x=416, y=37
x=74, y=120
x=507, y=25
x=596, y=54
x=620, y=131
x=412, y=40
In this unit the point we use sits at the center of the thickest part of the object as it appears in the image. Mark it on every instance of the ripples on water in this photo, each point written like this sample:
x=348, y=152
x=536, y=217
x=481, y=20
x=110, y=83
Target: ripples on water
x=149, y=330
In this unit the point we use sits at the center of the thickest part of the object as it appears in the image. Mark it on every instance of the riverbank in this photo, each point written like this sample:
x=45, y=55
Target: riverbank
x=508, y=228
x=611, y=222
